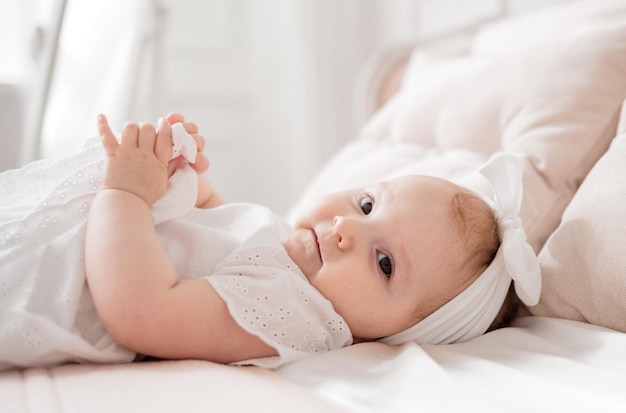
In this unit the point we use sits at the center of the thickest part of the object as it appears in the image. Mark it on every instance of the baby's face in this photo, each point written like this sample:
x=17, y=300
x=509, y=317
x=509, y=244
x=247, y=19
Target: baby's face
x=381, y=254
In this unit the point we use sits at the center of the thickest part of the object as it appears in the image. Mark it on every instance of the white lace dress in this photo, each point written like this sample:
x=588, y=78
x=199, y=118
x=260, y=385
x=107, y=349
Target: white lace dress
x=46, y=311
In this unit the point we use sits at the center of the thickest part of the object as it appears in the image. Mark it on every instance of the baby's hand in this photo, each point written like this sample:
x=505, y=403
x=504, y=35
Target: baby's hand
x=202, y=162
x=207, y=197
x=137, y=164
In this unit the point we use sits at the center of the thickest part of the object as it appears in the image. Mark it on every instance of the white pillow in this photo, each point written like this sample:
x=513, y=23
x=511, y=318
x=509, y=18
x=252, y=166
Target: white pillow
x=363, y=162
x=583, y=264
x=551, y=24
x=556, y=104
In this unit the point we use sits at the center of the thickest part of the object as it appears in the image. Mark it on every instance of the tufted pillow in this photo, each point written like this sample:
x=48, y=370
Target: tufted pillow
x=583, y=262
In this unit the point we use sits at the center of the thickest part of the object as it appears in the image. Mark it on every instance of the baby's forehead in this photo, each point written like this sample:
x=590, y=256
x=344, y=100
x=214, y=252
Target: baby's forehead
x=425, y=183
x=446, y=200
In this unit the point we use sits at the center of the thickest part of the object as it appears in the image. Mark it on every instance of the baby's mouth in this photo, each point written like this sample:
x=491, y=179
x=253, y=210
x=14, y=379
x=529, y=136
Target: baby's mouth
x=317, y=244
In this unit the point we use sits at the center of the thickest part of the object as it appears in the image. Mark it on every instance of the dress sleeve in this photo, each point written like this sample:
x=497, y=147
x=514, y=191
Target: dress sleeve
x=269, y=297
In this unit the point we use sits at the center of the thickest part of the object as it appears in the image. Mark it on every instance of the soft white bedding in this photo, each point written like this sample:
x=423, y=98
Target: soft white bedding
x=462, y=110
x=540, y=365
x=177, y=386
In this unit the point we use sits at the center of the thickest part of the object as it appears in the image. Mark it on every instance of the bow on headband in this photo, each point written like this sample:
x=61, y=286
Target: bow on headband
x=504, y=173
x=470, y=313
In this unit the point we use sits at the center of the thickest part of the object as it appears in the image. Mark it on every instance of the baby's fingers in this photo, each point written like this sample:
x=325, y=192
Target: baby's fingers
x=190, y=127
x=163, y=145
x=130, y=136
x=109, y=141
x=200, y=141
x=173, y=118
x=202, y=164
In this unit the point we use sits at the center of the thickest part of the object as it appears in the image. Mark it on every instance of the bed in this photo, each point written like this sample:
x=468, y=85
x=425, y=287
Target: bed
x=549, y=87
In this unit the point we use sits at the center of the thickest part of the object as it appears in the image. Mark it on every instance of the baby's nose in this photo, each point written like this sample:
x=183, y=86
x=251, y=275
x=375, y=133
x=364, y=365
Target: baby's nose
x=344, y=229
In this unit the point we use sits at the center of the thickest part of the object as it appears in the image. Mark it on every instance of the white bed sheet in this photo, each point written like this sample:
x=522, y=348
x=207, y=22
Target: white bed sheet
x=170, y=386
x=540, y=365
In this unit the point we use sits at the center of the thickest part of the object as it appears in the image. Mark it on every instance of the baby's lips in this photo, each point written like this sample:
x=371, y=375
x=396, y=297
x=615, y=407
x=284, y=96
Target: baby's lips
x=317, y=244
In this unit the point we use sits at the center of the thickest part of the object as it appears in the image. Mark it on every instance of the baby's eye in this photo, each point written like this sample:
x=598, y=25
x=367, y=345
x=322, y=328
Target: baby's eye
x=366, y=205
x=385, y=264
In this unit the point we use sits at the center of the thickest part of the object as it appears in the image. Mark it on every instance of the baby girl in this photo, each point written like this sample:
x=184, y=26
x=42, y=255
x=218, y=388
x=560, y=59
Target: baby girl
x=105, y=257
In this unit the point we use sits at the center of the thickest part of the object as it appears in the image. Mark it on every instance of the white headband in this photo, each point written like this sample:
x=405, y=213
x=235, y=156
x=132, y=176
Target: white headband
x=470, y=313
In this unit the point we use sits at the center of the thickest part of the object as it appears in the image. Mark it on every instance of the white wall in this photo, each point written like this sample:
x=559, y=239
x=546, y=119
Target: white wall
x=271, y=82
x=237, y=69
x=27, y=29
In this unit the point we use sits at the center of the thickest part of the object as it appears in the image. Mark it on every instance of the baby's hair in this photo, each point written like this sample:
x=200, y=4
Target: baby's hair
x=481, y=241
x=479, y=231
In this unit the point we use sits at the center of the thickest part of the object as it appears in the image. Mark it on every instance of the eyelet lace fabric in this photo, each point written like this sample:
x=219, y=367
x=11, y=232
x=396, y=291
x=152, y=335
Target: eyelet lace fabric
x=237, y=249
x=268, y=296
x=46, y=312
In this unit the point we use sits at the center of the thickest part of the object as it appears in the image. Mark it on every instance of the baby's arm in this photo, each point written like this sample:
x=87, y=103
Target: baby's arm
x=207, y=197
x=132, y=280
